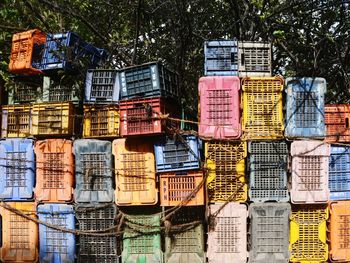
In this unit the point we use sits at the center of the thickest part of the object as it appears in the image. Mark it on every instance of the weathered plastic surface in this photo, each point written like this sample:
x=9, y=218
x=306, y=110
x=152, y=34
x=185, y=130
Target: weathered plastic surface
x=269, y=228
x=339, y=231
x=310, y=172
x=339, y=173
x=17, y=167
x=221, y=58
x=93, y=171
x=254, y=59
x=225, y=162
x=268, y=167
x=337, y=118
x=134, y=172
x=143, y=245
x=19, y=235
x=219, y=107
x=56, y=246
x=25, y=89
x=262, y=108
x=102, y=86
x=148, y=80
x=16, y=121
x=187, y=244
x=227, y=240
x=53, y=119
x=177, y=155
x=54, y=170
x=176, y=187
x=97, y=249
x=60, y=90
x=101, y=121
x=308, y=234
x=26, y=52
x=305, y=108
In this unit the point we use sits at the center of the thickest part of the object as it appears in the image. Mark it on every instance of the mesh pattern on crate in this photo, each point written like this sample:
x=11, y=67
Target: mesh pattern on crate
x=139, y=119
x=256, y=59
x=102, y=86
x=310, y=177
x=339, y=171
x=16, y=169
x=56, y=241
x=135, y=172
x=306, y=112
x=229, y=233
x=219, y=107
x=20, y=233
x=53, y=171
x=180, y=187
x=344, y=229
x=99, y=123
x=268, y=171
x=18, y=121
x=225, y=162
x=50, y=121
x=60, y=93
x=94, y=171
x=25, y=92
x=221, y=56
x=337, y=122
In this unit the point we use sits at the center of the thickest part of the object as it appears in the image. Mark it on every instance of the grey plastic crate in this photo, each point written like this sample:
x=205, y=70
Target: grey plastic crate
x=269, y=233
x=93, y=171
x=61, y=90
x=25, y=90
x=268, y=166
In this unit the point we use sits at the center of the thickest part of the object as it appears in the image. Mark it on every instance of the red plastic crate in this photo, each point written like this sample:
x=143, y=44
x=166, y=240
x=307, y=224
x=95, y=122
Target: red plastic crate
x=219, y=107
x=337, y=120
x=141, y=116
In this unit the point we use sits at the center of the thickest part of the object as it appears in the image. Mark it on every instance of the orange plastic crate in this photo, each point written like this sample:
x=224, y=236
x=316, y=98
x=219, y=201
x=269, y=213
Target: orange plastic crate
x=339, y=231
x=27, y=47
x=54, y=170
x=19, y=235
x=175, y=187
x=337, y=120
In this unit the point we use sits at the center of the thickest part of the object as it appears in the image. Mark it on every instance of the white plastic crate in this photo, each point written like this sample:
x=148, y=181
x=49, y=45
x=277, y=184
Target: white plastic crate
x=310, y=172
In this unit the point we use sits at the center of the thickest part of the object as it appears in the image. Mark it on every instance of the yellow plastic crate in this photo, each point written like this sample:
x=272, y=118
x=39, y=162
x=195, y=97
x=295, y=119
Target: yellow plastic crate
x=225, y=162
x=308, y=233
x=135, y=173
x=53, y=119
x=101, y=121
x=16, y=121
x=262, y=108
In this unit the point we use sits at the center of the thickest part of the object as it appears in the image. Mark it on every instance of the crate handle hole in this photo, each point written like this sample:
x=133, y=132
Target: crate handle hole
x=347, y=123
x=242, y=59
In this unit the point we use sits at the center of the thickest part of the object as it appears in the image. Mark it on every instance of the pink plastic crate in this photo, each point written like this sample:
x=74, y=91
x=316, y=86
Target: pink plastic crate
x=227, y=237
x=219, y=107
x=310, y=172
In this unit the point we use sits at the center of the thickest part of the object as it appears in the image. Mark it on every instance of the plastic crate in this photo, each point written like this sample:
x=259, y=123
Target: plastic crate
x=219, y=108
x=53, y=119
x=225, y=162
x=337, y=117
x=93, y=171
x=17, y=167
x=308, y=233
x=310, y=172
x=97, y=249
x=65, y=51
x=101, y=121
x=56, y=246
x=177, y=155
x=262, y=108
x=187, y=116
x=144, y=116
x=254, y=59
x=227, y=240
x=339, y=173
x=268, y=167
x=221, y=58
x=102, y=86
x=305, y=108
x=185, y=244
x=62, y=90
x=269, y=227
x=148, y=80
x=24, y=89
x=54, y=170
x=177, y=186
x=19, y=235
x=339, y=231
x=26, y=52
x=16, y=121
x=135, y=173
x=141, y=239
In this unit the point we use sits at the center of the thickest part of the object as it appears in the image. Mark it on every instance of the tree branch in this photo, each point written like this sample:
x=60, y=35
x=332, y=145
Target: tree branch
x=137, y=32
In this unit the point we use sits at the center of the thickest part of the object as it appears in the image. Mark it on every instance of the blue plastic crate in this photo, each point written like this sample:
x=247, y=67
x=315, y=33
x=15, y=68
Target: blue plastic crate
x=102, y=86
x=93, y=171
x=63, y=50
x=339, y=173
x=221, y=58
x=177, y=155
x=56, y=246
x=148, y=80
x=17, y=168
x=305, y=108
